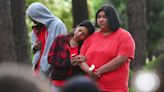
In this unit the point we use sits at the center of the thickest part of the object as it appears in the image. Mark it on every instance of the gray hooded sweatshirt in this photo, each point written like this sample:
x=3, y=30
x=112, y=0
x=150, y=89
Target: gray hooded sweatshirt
x=38, y=12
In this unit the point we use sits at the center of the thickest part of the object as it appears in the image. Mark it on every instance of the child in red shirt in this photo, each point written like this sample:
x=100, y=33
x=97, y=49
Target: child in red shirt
x=63, y=48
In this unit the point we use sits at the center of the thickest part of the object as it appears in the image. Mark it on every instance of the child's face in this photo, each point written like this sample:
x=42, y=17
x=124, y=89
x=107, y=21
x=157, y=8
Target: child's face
x=80, y=33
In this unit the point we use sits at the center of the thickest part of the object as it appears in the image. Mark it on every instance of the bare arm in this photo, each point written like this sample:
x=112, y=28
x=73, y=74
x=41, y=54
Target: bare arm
x=81, y=61
x=112, y=65
x=85, y=67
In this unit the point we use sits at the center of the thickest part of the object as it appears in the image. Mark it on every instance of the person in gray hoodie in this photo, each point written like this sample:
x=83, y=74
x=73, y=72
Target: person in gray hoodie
x=46, y=28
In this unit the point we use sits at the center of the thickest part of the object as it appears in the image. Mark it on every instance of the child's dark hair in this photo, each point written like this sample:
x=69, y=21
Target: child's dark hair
x=88, y=25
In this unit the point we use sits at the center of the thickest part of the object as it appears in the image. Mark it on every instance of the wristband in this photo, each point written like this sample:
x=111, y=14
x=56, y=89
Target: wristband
x=92, y=67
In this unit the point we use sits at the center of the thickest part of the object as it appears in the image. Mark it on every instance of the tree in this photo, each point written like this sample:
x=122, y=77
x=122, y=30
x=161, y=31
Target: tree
x=19, y=30
x=136, y=11
x=120, y=6
x=80, y=11
x=155, y=19
x=13, y=34
x=6, y=49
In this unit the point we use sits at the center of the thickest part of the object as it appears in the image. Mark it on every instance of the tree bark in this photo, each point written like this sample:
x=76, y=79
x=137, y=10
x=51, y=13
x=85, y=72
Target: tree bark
x=7, y=52
x=80, y=11
x=19, y=30
x=136, y=10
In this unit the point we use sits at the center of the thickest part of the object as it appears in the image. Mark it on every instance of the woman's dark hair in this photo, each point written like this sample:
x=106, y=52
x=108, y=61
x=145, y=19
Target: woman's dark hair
x=112, y=17
x=88, y=25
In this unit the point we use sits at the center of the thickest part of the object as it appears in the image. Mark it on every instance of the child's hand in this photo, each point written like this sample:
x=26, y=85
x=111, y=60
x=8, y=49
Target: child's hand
x=73, y=60
x=77, y=59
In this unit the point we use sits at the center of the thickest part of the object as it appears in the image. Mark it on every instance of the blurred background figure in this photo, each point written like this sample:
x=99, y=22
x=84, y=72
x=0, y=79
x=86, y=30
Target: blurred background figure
x=18, y=78
x=80, y=84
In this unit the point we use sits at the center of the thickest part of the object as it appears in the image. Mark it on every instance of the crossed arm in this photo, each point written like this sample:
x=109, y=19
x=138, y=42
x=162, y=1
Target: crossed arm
x=110, y=66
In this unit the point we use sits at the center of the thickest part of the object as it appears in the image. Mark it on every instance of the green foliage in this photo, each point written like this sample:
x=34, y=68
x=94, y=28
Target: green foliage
x=132, y=90
x=97, y=4
x=155, y=20
x=152, y=65
x=91, y=10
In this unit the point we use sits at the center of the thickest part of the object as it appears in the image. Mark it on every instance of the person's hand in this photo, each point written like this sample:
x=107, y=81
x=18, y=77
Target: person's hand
x=94, y=74
x=77, y=60
x=37, y=45
x=97, y=73
x=81, y=58
x=74, y=60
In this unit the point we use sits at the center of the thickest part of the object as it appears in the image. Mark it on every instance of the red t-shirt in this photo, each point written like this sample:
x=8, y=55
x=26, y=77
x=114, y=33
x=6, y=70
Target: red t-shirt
x=41, y=36
x=100, y=49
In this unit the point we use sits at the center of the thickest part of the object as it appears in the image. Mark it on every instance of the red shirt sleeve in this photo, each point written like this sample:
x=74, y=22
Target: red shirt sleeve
x=127, y=46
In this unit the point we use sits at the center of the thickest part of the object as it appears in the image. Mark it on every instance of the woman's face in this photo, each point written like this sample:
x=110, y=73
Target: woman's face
x=102, y=20
x=80, y=33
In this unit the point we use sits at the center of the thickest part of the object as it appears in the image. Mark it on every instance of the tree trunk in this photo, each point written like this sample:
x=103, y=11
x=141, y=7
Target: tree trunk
x=7, y=52
x=136, y=10
x=80, y=11
x=20, y=34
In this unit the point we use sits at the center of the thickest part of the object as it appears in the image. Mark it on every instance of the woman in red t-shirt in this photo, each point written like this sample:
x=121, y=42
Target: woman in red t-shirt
x=110, y=50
